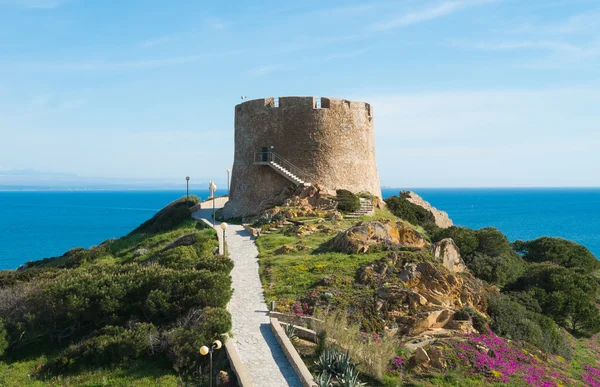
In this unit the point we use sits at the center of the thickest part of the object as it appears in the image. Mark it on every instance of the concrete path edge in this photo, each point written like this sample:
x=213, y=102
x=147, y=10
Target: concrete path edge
x=292, y=355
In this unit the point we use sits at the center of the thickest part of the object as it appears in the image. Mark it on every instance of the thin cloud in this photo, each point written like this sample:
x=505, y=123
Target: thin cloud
x=345, y=55
x=578, y=24
x=555, y=54
x=156, y=42
x=216, y=23
x=124, y=65
x=261, y=71
x=426, y=14
x=520, y=45
x=347, y=10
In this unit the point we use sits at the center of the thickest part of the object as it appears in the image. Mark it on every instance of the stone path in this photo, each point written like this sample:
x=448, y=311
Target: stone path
x=252, y=336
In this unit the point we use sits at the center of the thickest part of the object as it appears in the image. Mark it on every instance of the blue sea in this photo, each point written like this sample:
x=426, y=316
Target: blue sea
x=36, y=225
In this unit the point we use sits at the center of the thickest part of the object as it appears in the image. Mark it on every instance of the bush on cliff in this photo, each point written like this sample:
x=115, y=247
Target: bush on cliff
x=559, y=251
x=120, y=300
x=169, y=217
x=108, y=345
x=567, y=297
x=81, y=299
x=410, y=212
x=3, y=340
x=486, y=252
x=347, y=201
x=512, y=320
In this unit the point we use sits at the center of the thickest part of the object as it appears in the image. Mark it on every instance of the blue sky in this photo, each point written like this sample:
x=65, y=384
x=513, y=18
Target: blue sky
x=465, y=92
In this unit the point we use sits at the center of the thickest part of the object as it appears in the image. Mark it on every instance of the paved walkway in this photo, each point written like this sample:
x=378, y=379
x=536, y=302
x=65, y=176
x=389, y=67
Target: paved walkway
x=252, y=336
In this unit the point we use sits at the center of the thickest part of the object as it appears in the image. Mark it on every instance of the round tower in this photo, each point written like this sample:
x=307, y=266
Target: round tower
x=293, y=141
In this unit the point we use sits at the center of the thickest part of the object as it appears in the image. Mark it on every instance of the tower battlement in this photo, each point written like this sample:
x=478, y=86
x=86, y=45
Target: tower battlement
x=330, y=139
x=302, y=102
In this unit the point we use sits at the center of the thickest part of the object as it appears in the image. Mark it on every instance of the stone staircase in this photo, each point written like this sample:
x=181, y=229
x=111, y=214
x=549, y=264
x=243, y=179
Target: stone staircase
x=366, y=209
x=283, y=167
x=288, y=175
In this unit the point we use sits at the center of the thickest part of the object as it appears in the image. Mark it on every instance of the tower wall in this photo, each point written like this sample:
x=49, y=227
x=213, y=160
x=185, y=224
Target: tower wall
x=333, y=141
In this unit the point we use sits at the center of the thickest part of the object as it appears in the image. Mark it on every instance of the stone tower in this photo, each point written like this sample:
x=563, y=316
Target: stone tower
x=294, y=141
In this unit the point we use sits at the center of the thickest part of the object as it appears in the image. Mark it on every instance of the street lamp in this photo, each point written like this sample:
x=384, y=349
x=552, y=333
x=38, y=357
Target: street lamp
x=224, y=227
x=228, y=171
x=204, y=350
x=187, y=188
x=213, y=188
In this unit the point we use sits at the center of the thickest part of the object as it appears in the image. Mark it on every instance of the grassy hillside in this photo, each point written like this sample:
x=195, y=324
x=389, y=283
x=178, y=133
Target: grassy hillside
x=128, y=312
x=537, y=302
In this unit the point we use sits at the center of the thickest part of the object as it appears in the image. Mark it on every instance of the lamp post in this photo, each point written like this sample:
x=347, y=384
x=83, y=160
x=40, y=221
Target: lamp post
x=204, y=350
x=224, y=227
x=213, y=188
x=187, y=188
x=228, y=171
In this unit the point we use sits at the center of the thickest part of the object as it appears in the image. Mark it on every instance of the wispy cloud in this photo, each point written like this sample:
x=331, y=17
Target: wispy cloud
x=123, y=65
x=48, y=102
x=156, y=42
x=345, y=55
x=43, y=4
x=347, y=10
x=576, y=24
x=261, y=71
x=520, y=45
x=306, y=62
x=426, y=14
x=550, y=54
x=216, y=23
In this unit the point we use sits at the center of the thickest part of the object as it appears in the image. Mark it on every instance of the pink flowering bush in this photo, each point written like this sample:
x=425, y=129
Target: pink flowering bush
x=398, y=364
x=499, y=361
x=305, y=306
x=591, y=376
x=301, y=308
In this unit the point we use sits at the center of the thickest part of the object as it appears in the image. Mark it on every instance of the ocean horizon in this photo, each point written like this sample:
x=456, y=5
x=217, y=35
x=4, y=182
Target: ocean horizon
x=37, y=224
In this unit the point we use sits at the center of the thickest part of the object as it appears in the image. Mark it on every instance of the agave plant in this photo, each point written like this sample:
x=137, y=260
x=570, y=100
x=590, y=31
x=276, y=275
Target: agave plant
x=324, y=380
x=350, y=379
x=335, y=362
x=290, y=331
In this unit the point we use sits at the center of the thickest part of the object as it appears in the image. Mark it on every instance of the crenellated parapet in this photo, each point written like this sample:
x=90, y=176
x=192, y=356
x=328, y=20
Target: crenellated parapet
x=302, y=103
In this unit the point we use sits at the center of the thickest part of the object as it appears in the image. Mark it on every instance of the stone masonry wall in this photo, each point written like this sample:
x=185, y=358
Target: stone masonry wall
x=334, y=143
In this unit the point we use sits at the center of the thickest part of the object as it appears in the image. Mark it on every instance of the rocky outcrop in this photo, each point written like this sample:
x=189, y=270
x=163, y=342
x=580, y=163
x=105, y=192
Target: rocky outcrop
x=291, y=203
x=365, y=236
x=446, y=252
x=419, y=294
x=441, y=218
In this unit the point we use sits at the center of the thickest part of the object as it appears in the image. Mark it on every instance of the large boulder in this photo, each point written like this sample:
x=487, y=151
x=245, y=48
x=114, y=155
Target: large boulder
x=364, y=236
x=442, y=219
x=446, y=252
x=419, y=294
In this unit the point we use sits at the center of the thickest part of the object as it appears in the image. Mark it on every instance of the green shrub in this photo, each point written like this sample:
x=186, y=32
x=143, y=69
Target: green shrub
x=3, y=338
x=109, y=345
x=410, y=212
x=566, y=296
x=500, y=269
x=487, y=252
x=169, y=217
x=512, y=320
x=347, y=201
x=110, y=295
x=559, y=251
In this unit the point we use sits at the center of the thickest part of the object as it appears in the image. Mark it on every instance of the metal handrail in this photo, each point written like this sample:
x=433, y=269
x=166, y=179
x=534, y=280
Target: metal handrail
x=272, y=157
